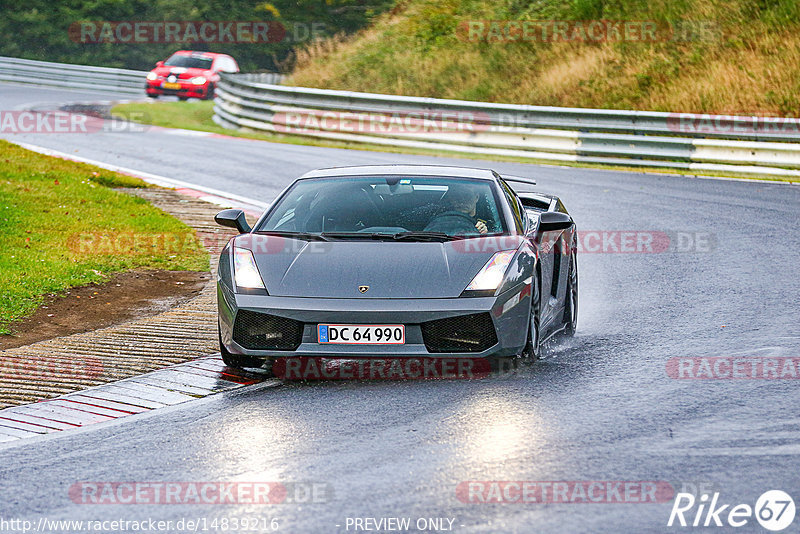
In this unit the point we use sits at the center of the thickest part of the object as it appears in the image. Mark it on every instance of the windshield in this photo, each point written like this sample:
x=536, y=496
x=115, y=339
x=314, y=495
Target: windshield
x=388, y=206
x=189, y=62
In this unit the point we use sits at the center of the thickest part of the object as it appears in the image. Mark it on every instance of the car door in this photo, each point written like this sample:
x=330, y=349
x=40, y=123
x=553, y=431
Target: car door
x=548, y=265
x=527, y=224
x=553, y=248
x=565, y=245
x=556, y=247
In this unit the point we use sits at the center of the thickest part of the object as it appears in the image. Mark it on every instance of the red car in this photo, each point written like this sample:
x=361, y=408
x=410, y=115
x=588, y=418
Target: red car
x=189, y=74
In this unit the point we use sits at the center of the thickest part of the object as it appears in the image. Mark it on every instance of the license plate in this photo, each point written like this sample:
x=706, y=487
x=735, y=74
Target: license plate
x=362, y=334
x=167, y=85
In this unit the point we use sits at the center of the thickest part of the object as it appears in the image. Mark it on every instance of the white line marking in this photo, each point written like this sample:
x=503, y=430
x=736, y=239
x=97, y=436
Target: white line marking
x=178, y=131
x=154, y=179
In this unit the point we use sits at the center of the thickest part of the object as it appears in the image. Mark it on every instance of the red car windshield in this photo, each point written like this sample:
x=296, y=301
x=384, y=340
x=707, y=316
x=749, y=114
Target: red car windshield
x=189, y=62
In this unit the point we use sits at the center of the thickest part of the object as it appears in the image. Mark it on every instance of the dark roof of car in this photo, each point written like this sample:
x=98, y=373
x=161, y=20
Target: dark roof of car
x=402, y=170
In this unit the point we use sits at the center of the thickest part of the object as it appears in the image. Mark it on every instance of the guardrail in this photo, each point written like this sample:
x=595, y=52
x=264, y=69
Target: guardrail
x=98, y=79
x=738, y=144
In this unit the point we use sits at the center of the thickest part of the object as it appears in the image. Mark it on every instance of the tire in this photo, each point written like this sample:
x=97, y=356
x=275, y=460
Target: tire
x=210, y=92
x=571, y=305
x=533, y=349
x=151, y=96
x=183, y=98
x=239, y=361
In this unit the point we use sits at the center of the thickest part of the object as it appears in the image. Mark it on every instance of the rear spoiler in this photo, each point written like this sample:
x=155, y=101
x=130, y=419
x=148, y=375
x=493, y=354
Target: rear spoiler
x=518, y=179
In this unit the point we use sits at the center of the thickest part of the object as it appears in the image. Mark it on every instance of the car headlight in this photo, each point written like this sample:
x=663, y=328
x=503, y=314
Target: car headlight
x=198, y=80
x=245, y=272
x=152, y=76
x=492, y=274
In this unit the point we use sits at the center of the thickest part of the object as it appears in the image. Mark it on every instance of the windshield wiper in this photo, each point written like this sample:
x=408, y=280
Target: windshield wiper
x=308, y=236
x=358, y=235
x=401, y=236
x=379, y=236
x=425, y=236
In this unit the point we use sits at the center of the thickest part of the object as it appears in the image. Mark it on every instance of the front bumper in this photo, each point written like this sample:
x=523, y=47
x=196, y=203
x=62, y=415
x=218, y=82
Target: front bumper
x=188, y=90
x=509, y=314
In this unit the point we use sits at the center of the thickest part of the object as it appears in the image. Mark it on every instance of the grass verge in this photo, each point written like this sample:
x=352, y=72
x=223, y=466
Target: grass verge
x=197, y=115
x=63, y=225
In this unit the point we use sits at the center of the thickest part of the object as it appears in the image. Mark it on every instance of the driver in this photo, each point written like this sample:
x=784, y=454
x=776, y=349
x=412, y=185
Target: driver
x=459, y=216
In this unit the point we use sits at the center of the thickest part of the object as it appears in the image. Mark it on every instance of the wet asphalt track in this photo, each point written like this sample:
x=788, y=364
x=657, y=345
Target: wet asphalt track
x=597, y=407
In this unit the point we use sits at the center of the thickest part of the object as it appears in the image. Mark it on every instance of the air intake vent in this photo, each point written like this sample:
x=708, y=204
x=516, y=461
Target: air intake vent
x=465, y=333
x=261, y=331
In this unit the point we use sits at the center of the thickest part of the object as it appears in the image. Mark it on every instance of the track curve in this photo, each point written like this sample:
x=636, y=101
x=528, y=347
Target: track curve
x=598, y=407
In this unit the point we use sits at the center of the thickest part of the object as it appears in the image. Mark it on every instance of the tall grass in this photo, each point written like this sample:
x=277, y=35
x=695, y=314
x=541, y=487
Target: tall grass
x=748, y=61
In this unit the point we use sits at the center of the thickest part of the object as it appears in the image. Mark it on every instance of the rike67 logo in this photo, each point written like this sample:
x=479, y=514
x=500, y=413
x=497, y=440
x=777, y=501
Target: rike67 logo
x=774, y=510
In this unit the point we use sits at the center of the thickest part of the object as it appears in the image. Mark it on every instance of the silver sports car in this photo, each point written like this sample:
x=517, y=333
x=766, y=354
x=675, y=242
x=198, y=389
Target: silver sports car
x=398, y=261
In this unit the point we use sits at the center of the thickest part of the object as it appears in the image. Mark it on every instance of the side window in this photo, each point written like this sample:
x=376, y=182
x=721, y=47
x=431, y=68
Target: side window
x=229, y=65
x=560, y=207
x=516, y=209
x=225, y=64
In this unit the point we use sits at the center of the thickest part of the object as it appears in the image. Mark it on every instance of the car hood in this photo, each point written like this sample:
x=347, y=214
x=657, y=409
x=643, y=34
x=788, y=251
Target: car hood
x=336, y=269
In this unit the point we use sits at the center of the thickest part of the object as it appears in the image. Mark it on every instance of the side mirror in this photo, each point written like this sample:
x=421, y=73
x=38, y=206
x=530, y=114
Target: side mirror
x=159, y=63
x=551, y=221
x=233, y=219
